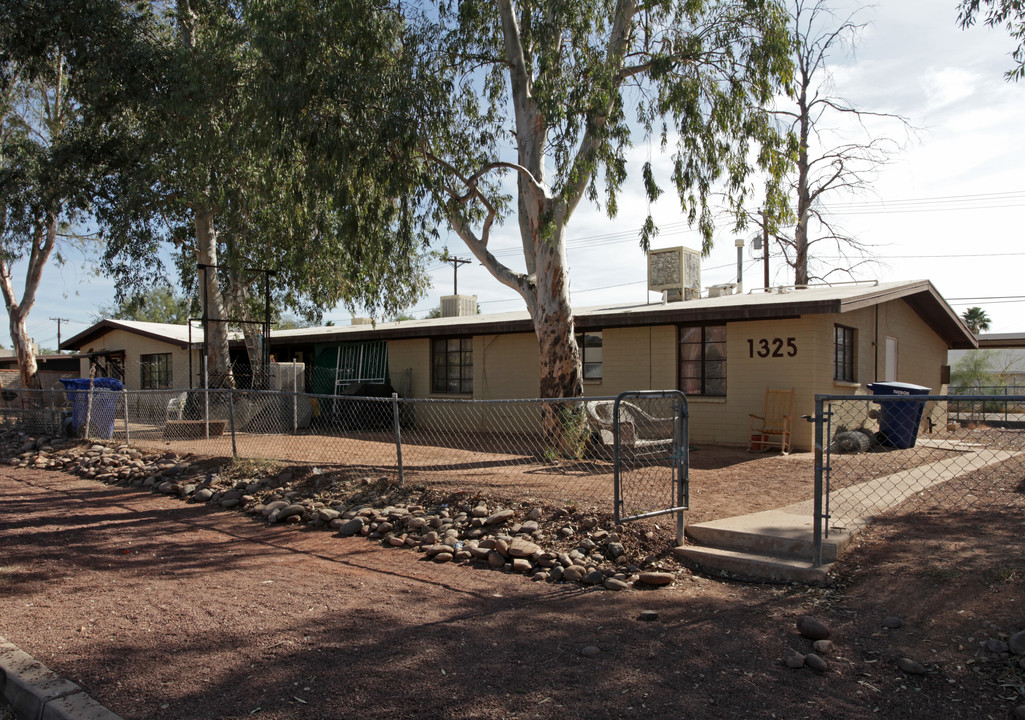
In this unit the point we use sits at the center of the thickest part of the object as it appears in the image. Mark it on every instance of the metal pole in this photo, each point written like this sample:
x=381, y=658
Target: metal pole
x=128, y=438
x=817, y=505
x=295, y=397
x=89, y=404
x=54, y=424
x=398, y=432
x=765, y=249
x=231, y=423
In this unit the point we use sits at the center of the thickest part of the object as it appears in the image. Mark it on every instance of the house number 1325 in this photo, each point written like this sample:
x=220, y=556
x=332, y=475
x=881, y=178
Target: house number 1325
x=776, y=347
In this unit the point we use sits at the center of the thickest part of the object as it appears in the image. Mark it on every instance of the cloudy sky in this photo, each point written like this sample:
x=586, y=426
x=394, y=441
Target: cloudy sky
x=948, y=207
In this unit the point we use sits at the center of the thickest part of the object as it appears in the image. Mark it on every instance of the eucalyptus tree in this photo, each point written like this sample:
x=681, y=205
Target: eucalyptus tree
x=1010, y=14
x=234, y=182
x=543, y=97
x=61, y=134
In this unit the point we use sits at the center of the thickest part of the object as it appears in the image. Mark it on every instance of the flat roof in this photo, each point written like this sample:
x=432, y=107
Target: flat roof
x=779, y=303
x=787, y=302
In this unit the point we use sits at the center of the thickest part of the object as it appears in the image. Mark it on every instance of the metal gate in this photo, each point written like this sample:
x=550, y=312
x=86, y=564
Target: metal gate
x=651, y=455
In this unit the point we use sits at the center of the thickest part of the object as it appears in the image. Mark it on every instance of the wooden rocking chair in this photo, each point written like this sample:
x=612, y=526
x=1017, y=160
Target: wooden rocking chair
x=772, y=427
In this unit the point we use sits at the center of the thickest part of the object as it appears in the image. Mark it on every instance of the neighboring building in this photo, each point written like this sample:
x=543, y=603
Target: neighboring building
x=50, y=367
x=723, y=352
x=143, y=355
x=1006, y=359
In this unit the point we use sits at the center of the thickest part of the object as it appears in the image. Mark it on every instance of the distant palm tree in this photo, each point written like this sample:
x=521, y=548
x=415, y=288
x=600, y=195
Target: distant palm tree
x=976, y=319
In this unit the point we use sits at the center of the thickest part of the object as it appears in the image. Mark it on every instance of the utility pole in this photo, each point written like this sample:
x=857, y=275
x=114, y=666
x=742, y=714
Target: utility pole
x=765, y=249
x=456, y=262
x=59, y=321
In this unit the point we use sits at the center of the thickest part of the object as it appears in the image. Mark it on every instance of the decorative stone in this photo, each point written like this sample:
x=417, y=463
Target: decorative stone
x=655, y=578
x=495, y=559
x=595, y=577
x=590, y=651
x=1016, y=643
x=911, y=667
x=520, y=548
x=648, y=616
x=996, y=646
x=521, y=565
x=812, y=629
x=574, y=573
x=500, y=517
x=615, y=584
x=615, y=550
x=794, y=659
x=350, y=527
x=815, y=662
x=823, y=647
x=892, y=622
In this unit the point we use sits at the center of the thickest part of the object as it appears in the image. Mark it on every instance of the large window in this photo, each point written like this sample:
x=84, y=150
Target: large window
x=156, y=371
x=703, y=360
x=843, y=353
x=590, y=354
x=452, y=365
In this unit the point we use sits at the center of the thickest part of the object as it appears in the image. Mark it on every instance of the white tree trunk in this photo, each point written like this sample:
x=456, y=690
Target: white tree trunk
x=212, y=302
x=44, y=241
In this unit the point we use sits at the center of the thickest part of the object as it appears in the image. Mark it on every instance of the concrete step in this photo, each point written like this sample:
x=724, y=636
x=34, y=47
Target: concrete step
x=753, y=566
x=778, y=543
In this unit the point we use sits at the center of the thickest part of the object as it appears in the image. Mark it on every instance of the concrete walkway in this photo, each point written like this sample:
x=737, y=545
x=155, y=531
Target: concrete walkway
x=779, y=544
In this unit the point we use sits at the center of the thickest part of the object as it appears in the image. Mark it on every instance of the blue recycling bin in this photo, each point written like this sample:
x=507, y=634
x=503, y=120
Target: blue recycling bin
x=899, y=419
x=104, y=394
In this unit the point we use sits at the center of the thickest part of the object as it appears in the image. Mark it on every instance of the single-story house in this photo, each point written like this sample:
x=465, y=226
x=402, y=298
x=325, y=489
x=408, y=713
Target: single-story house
x=143, y=355
x=723, y=352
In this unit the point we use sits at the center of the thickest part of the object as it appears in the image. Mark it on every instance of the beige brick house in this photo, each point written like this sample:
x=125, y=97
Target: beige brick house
x=723, y=352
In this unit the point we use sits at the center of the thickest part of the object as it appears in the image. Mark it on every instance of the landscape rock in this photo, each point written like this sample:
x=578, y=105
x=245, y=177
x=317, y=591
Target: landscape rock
x=812, y=629
x=648, y=615
x=892, y=622
x=823, y=647
x=794, y=659
x=590, y=651
x=655, y=579
x=616, y=584
x=520, y=548
x=351, y=527
x=815, y=662
x=1016, y=643
x=996, y=646
x=911, y=667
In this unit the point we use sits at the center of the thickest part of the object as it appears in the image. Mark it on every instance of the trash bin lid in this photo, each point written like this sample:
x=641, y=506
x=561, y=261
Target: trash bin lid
x=102, y=383
x=898, y=388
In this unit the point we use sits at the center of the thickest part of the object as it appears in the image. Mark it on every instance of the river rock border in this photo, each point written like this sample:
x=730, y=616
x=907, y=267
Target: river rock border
x=539, y=542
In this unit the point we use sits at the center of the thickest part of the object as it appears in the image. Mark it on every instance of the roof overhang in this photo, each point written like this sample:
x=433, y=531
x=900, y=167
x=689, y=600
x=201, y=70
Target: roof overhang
x=103, y=327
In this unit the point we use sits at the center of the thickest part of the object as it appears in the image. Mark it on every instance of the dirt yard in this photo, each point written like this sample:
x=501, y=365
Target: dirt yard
x=162, y=609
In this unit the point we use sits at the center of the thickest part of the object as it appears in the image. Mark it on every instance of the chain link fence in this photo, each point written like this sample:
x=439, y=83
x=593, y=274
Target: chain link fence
x=879, y=454
x=559, y=451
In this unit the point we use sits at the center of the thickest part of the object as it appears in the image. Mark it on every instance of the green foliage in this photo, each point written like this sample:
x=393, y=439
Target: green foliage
x=159, y=304
x=974, y=370
x=694, y=77
x=273, y=119
x=1010, y=14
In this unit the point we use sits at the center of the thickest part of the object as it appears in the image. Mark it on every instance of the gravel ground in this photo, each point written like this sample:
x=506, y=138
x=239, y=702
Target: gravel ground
x=162, y=609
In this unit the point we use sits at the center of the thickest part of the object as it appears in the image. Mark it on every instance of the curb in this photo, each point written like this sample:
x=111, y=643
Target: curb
x=37, y=693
